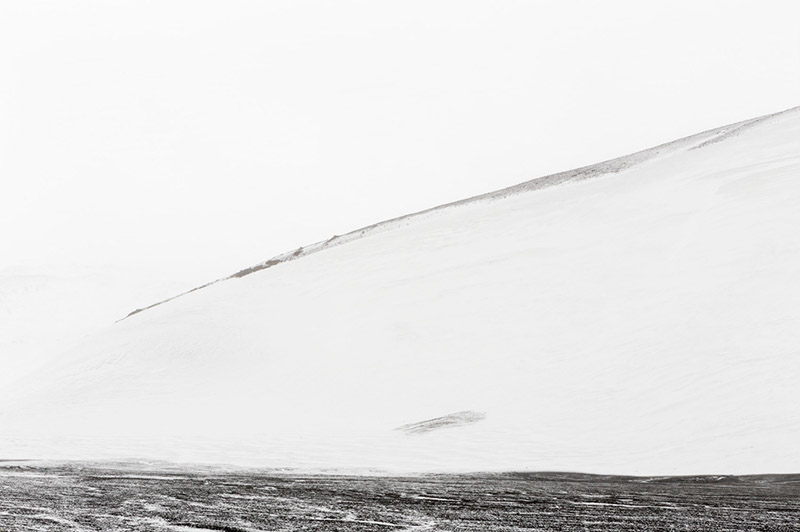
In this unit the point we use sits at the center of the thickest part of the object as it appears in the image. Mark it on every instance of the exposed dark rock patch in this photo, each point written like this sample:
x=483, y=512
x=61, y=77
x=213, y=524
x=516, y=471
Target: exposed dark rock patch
x=456, y=419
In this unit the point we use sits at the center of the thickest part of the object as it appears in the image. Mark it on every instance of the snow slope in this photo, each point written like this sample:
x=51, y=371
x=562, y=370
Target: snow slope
x=635, y=317
x=45, y=309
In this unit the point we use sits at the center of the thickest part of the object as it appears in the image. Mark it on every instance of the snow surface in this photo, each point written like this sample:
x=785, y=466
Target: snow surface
x=43, y=310
x=643, y=321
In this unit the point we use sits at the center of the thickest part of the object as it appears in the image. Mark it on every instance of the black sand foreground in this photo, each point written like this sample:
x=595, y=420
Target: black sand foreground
x=89, y=497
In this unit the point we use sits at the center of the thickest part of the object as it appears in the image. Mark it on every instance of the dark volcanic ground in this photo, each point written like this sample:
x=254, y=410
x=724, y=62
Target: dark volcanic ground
x=83, y=497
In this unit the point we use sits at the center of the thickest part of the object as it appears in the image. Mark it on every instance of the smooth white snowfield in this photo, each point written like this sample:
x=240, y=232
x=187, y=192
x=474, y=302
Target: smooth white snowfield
x=643, y=321
x=45, y=309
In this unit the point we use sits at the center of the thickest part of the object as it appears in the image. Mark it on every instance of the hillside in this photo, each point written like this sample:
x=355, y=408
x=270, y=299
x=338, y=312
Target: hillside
x=638, y=316
x=44, y=310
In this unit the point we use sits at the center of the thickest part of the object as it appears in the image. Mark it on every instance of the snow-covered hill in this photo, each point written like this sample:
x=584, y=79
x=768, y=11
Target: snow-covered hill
x=45, y=309
x=638, y=316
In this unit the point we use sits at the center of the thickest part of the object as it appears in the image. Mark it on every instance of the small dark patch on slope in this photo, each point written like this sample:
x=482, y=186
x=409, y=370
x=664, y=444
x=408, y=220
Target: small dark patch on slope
x=456, y=419
x=258, y=267
x=148, y=307
x=731, y=131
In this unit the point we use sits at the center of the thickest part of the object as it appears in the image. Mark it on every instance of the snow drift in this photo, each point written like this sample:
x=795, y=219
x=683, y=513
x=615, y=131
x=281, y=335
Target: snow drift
x=639, y=316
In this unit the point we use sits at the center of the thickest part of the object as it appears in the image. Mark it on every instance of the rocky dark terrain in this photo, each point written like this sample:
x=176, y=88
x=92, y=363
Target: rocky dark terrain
x=84, y=497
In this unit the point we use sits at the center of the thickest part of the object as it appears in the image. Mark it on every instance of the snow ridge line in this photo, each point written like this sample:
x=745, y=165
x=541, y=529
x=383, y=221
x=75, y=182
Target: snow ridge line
x=608, y=167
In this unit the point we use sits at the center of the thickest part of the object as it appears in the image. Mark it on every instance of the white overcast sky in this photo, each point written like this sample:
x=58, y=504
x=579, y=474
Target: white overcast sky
x=202, y=137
